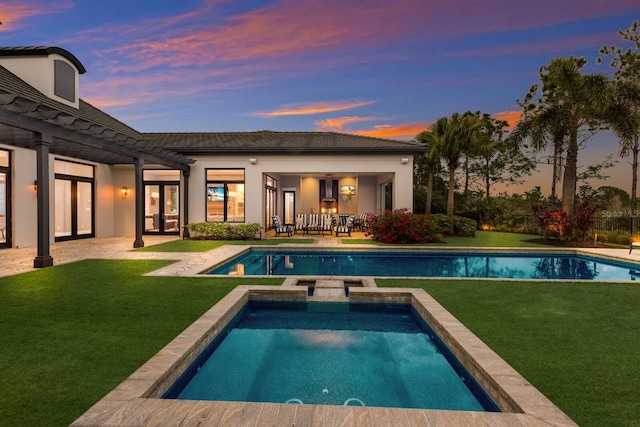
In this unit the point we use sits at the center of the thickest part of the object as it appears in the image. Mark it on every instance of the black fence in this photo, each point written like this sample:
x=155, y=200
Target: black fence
x=619, y=223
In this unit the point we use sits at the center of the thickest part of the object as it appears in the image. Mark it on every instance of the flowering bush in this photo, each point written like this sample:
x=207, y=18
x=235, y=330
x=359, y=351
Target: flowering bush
x=400, y=226
x=584, y=218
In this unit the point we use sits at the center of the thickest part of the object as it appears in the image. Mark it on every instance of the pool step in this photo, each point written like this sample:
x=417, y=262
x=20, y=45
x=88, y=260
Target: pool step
x=330, y=288
x=333, y=289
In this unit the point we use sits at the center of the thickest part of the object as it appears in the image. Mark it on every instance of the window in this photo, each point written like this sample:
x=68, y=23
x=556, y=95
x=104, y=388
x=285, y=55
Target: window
x=225, y=195
x=64, y=80
x=270, y=196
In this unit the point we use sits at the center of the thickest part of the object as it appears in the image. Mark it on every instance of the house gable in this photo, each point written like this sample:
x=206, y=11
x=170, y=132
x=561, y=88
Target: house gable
x=51, y=70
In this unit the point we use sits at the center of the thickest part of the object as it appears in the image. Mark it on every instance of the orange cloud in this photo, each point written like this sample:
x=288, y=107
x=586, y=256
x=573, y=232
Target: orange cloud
x=511, y=117
x=338, y=123
x=13, y=14
x=406, y=131
x=314, y=108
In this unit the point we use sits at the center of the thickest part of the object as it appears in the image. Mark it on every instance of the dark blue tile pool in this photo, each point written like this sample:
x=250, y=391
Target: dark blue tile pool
x=332, y=354
x=427, y=264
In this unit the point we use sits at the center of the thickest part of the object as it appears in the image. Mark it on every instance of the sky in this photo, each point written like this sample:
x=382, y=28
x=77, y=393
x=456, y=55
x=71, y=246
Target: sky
x=382, y=68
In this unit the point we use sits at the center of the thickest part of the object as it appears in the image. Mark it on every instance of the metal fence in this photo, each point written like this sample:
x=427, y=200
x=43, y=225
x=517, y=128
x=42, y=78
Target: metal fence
x=606, y=223
x=620, y=225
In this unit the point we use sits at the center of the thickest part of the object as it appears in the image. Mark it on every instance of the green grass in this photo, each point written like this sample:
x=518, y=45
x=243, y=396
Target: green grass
x=578, y=343
x=482, y=239
x=207, y=245
x=71, y=333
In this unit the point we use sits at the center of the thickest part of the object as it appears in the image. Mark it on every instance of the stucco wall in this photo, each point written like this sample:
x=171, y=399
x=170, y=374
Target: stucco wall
x=38, y=71
x=375, y=169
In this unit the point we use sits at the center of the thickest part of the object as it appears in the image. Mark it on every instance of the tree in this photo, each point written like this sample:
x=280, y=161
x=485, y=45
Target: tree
x=498, y=160
x=624, y=113
x=568, y=102
x=454, y=136
x=542, y=123
x=431, y=161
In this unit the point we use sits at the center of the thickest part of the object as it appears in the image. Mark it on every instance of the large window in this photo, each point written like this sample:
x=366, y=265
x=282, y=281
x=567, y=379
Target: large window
x=225, y=195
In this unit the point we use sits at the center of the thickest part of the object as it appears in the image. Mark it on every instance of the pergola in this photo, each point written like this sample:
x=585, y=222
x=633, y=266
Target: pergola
x=31, y=120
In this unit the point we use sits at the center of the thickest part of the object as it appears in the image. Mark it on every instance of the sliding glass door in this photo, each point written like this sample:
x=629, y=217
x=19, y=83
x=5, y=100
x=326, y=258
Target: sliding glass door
x=5, y=200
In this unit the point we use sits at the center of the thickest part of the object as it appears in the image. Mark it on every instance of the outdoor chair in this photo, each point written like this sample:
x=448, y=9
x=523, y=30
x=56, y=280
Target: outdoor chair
x=279, y=228
x=346, y=227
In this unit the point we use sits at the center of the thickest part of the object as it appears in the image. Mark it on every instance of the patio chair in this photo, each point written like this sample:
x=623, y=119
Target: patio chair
x=279, y=228
x=346, y=227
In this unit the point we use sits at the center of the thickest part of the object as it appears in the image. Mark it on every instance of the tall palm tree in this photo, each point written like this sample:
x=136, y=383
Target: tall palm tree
x=431, y=160
x=569, y=101
x=624, y=114
x=454, y=136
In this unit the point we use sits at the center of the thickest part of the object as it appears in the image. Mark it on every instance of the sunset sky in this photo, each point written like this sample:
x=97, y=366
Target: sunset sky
x=372, y=67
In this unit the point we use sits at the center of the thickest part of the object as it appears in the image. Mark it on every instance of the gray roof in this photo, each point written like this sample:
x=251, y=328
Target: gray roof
x=93, y=134
x=277, y=142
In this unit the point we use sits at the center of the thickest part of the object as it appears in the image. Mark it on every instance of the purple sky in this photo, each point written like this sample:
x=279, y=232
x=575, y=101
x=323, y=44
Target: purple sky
x=380, y=68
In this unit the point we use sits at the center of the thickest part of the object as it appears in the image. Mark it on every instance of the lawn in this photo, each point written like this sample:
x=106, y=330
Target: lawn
x=576, y=342
x=71, y=333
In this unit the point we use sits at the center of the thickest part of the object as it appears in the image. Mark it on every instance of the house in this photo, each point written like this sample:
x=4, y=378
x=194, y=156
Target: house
x=69, y=170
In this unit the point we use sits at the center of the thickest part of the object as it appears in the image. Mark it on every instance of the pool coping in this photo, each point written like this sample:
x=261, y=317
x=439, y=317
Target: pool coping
x=136, y=401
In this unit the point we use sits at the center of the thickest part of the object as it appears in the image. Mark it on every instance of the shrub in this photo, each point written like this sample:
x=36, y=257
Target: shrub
x=400, y=226
x=223, y=231
x=459, y=225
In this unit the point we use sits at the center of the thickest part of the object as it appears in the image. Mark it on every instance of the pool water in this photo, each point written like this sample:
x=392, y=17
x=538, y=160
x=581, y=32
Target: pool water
x=416, y=264
x=334, y=354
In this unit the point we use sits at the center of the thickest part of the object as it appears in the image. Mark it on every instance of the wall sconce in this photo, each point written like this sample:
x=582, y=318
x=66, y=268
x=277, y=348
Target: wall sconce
x=35, y=185
x=253, y=160
x=125, y=192
x=404, y=160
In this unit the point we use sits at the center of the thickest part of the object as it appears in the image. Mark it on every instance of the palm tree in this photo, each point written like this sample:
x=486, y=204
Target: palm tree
x=569, y=102
x=431, y=161
x=454, y=136
x=624, y=114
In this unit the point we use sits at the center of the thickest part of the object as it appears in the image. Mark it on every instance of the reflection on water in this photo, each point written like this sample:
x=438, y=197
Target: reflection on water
x=411, y=264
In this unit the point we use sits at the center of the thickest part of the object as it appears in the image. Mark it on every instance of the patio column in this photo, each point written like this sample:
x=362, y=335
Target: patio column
x=185, y=202
x=43, y=142
x=139, y=195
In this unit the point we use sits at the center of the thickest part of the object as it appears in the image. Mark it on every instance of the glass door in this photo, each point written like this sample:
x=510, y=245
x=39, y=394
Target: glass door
x=73, y=209
x=162, y=208
x=5, y=207
x=289, y=213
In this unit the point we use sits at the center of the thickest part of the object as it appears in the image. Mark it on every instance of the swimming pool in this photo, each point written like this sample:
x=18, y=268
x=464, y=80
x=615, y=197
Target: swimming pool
x=496, y=265
x=332, y=354
x=138, y=399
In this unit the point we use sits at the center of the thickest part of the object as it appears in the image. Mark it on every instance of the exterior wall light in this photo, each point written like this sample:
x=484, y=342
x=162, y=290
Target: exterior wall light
x=404, y=160
x=253, y=160
x=35, y=185
x=125, y=192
